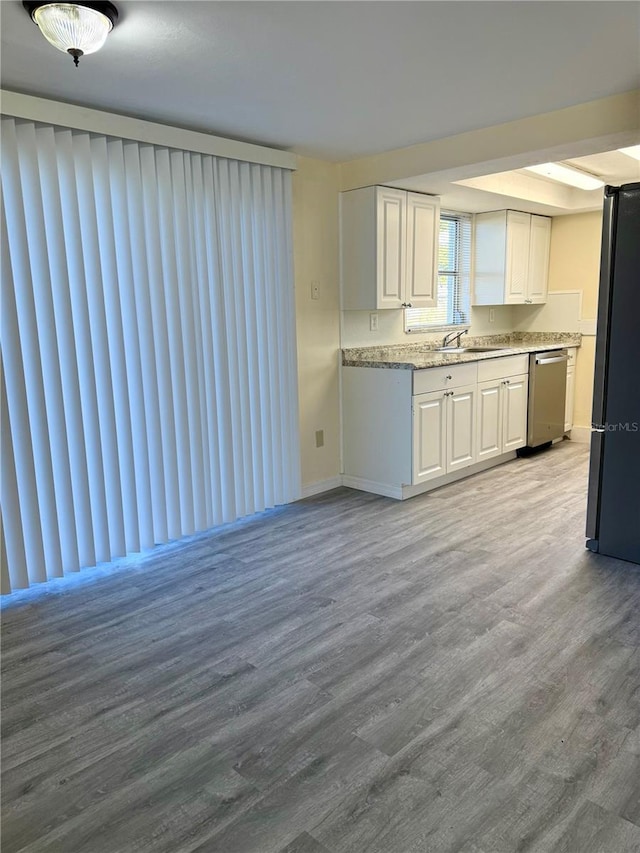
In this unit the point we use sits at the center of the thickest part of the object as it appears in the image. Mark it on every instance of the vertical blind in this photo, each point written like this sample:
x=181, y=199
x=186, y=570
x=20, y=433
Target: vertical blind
x=148, y=369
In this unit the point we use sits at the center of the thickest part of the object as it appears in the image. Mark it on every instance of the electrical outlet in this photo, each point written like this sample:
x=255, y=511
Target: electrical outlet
x=315, y=290
x=319, y=438
x=492, y=315
x=373, y=322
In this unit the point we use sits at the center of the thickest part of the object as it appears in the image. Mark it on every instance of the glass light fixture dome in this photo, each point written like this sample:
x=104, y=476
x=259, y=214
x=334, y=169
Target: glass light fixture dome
x=74, y=28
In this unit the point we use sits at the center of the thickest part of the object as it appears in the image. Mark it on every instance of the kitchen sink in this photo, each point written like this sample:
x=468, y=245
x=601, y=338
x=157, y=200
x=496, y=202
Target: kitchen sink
x=467, y=349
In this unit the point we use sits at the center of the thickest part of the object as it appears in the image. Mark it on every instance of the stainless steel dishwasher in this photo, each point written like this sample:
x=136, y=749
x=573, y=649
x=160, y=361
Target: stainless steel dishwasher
x=547, y=392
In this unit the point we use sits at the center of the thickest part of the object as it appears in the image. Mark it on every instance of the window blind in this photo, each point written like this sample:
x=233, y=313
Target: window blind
x=148, y=366
x=454, y=278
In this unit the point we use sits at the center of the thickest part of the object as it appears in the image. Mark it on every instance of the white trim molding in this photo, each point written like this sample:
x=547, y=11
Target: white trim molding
x=321, y=486
x=126, y=127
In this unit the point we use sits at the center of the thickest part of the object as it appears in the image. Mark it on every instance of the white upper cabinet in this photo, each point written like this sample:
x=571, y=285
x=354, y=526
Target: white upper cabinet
x=391, y=254
x=388, y=248
x=511, y=258
x=423, y=220
x=518, y=228
x=539, y=246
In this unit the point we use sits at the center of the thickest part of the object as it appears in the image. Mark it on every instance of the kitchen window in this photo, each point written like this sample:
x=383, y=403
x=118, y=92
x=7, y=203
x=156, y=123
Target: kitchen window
x=454, y=276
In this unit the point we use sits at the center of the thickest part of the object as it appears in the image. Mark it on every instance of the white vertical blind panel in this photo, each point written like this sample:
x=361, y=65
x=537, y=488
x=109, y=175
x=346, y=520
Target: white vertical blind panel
x=5, y=581
x=177, y=378
x=234, y=481
x=73, y=450
x=113, y=274
x=125, y=248
x=25, y=361
x=221, y=428
x=167, y=424
x=91, y=243
x=263, y=356
x=77, y=284
x=202, y=311
x=253, y=284
x=45, y=262
x=15, y=571
x=148, y=345
x=189, y=342
x=135, y=239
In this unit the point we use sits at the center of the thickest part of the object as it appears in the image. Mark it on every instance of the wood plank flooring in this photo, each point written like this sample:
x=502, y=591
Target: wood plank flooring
x=347, y=674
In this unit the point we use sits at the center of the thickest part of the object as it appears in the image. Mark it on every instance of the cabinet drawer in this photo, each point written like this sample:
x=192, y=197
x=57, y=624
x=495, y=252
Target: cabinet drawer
x=496, y=368
x=437, y=378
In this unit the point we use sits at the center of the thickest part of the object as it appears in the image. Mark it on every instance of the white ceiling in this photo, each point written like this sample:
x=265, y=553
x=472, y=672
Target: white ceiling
x=337, y=80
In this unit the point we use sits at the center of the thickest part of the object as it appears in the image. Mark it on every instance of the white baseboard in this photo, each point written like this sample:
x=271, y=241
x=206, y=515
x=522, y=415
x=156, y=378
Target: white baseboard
x=320, y=486
x=390, y=490
x=387, y=490
x=580, y=434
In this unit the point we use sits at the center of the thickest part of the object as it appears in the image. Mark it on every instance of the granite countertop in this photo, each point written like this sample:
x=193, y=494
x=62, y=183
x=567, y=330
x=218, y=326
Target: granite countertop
x=422, y=355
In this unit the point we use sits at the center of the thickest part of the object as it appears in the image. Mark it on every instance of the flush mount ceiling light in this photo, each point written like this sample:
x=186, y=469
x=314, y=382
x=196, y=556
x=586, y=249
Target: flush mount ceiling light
x=567, y=175
x=634, y=151
x=74, y=28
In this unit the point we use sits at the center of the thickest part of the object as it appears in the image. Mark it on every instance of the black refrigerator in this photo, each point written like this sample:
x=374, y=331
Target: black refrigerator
x=613, y=509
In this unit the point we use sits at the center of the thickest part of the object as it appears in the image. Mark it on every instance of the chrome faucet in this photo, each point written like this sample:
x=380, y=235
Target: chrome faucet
x=453, y=336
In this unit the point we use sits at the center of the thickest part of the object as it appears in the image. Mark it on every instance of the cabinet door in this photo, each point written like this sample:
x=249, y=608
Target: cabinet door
x=568, y=403
x=489, y=419
x=423, y=218
x=391, y=212
x=429, y=437
x=461, y=423
x=539, y=245
x=517, y=272
x=514, y=423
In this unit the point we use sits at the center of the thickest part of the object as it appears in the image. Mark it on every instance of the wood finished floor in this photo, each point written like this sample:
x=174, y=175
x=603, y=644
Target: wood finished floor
x=452, y=673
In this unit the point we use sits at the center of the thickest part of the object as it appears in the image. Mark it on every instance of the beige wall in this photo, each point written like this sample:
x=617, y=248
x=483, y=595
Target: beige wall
x=315, y=251
x=588, y=128
x=574, y=264
x=356, y=330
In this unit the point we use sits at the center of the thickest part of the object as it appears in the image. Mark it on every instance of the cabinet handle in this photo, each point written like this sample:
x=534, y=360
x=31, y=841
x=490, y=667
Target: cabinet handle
x=406, y=305
x=449, y=377
x=527, y=301
x=506, y=382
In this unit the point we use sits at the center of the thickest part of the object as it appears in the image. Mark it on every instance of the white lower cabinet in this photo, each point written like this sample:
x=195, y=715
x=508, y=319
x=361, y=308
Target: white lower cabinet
x=429, y=436
x=571, y=390
x=443, y=432
x=515, y=392
x=502, y=415
x=490, y=405
x=408, y=431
